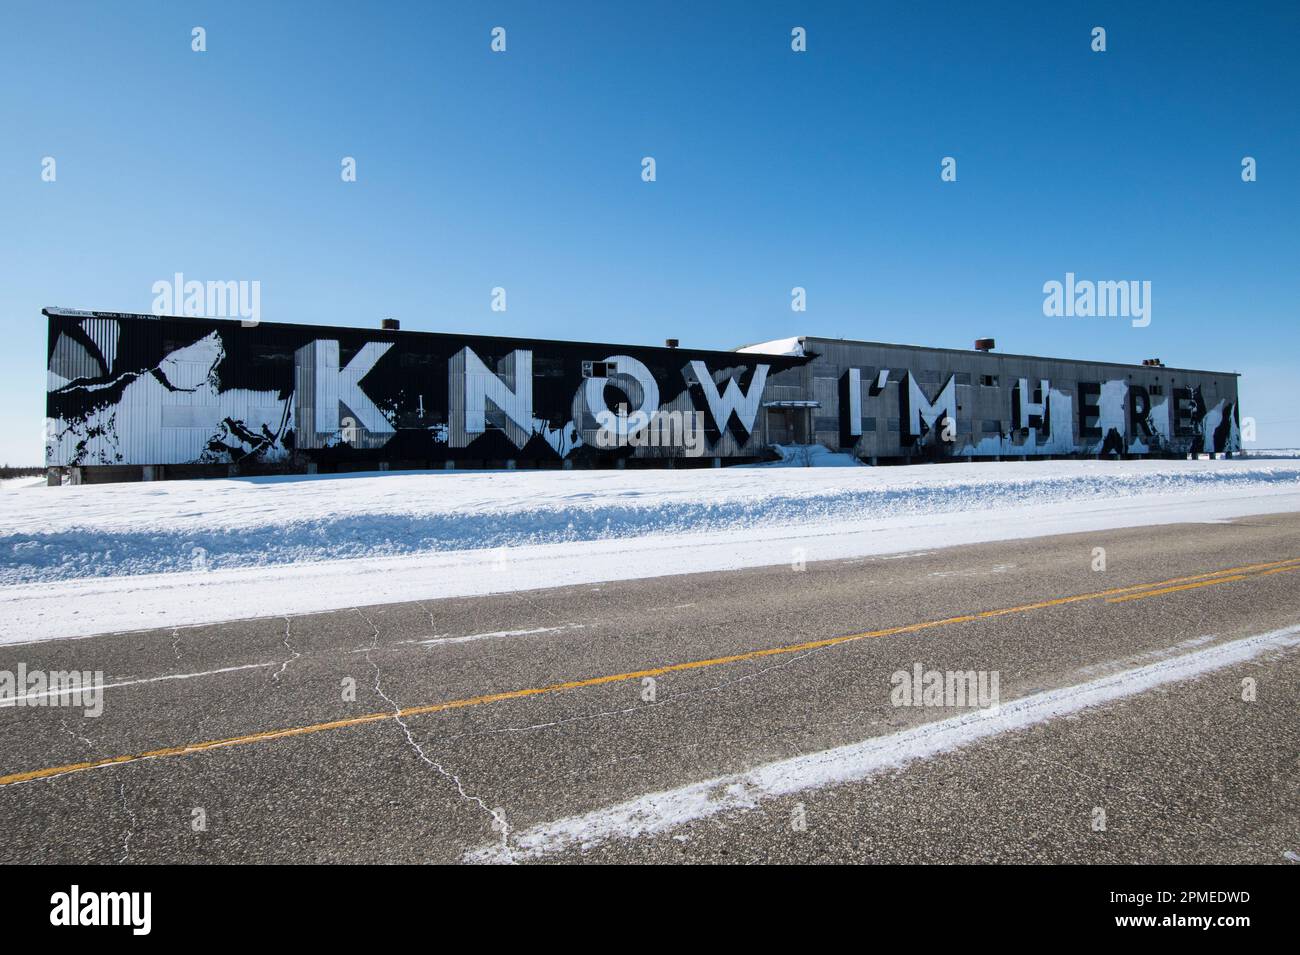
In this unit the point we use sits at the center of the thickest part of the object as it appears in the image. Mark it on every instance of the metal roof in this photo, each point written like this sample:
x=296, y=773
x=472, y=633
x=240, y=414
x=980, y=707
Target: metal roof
x=93, y=313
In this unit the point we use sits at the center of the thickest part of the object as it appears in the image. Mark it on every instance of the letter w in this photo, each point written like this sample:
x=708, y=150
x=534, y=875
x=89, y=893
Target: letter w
x=732, y=400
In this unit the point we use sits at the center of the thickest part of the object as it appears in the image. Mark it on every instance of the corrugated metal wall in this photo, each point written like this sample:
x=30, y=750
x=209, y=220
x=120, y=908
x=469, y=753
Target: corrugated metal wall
x=127, y=389
x=985, y=385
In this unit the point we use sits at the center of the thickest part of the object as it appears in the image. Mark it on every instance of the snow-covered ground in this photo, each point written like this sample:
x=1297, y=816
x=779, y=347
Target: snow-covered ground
x=99, y=558
x=808, y=456
x=9, y=484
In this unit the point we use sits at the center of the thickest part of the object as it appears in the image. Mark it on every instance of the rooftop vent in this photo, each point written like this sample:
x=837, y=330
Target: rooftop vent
x=389, y=324
x=672, y=342
x=1153, y=362
x=984, y=344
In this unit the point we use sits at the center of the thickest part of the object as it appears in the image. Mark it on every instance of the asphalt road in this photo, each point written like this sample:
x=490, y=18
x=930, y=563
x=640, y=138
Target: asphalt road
x=534, y=713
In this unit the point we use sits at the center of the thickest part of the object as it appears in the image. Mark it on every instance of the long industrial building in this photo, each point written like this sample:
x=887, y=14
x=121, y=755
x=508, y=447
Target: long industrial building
x=134, y=396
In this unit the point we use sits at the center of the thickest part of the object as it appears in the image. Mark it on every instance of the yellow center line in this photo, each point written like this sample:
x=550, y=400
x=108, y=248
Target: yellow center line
x=1204, y=583
x=1134, y=592
x=1170, y=590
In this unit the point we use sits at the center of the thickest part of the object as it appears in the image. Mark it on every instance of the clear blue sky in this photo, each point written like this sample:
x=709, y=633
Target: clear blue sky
x=775, y=169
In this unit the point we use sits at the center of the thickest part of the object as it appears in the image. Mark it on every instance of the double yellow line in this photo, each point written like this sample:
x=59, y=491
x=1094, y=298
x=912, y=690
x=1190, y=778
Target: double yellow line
x=1116, y=595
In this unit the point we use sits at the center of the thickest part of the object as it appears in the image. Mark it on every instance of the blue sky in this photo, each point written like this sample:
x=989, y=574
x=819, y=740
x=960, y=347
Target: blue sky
x=775, y=169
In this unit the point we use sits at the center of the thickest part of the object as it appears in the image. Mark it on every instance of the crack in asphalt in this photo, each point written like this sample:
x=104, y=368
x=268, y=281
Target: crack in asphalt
x=63, y=722
x=126, y=840
x=499, y=823
x=295, y=654
x=433, y=624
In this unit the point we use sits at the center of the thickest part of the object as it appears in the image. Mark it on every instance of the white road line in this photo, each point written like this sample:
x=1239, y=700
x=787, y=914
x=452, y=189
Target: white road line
x=15, y=700
x=437, y=641
x=659, y=812
x=469, y=637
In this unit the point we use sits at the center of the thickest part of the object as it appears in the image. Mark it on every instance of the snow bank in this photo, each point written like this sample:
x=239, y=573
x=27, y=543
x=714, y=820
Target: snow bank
x=63, y=533
x=9, y=484
x=808, y=456
x=272, y=548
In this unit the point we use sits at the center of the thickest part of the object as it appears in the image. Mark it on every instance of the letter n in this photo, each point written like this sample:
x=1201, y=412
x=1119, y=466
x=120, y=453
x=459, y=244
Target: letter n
x=472, y=387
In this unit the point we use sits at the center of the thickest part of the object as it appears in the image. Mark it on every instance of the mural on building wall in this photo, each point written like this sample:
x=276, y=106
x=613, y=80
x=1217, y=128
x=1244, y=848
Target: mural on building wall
x=134, y=390
x=105, y=411
x=143, y=390
x=1113, y=417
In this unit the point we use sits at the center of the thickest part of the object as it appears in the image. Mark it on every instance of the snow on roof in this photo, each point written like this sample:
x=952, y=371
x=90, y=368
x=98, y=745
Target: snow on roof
x=781, y=346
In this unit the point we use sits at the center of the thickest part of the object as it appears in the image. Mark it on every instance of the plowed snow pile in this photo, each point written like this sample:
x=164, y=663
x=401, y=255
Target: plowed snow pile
x=62, y=533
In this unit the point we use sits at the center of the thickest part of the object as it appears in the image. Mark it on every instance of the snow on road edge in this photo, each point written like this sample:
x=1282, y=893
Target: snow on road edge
x=52, y=534
x=90, y=606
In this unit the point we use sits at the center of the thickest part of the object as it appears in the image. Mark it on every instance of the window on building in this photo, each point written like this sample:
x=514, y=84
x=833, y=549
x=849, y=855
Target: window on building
x=989, y=381
x=545, y=366
x=598, y=369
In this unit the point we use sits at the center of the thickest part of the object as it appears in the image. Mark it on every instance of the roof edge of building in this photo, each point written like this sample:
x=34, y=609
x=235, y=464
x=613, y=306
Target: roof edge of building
x=806, y=339
x=802, y=341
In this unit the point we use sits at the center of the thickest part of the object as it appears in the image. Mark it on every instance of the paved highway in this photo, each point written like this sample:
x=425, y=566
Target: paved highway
x=732, y=717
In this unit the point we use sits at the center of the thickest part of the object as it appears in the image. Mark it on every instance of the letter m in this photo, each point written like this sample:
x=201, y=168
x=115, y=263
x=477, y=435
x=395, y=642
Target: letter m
x=1113, y=299
x=919, y=414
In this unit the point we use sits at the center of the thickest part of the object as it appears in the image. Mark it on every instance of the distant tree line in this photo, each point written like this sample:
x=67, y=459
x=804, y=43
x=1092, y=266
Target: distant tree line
x=7, y=472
